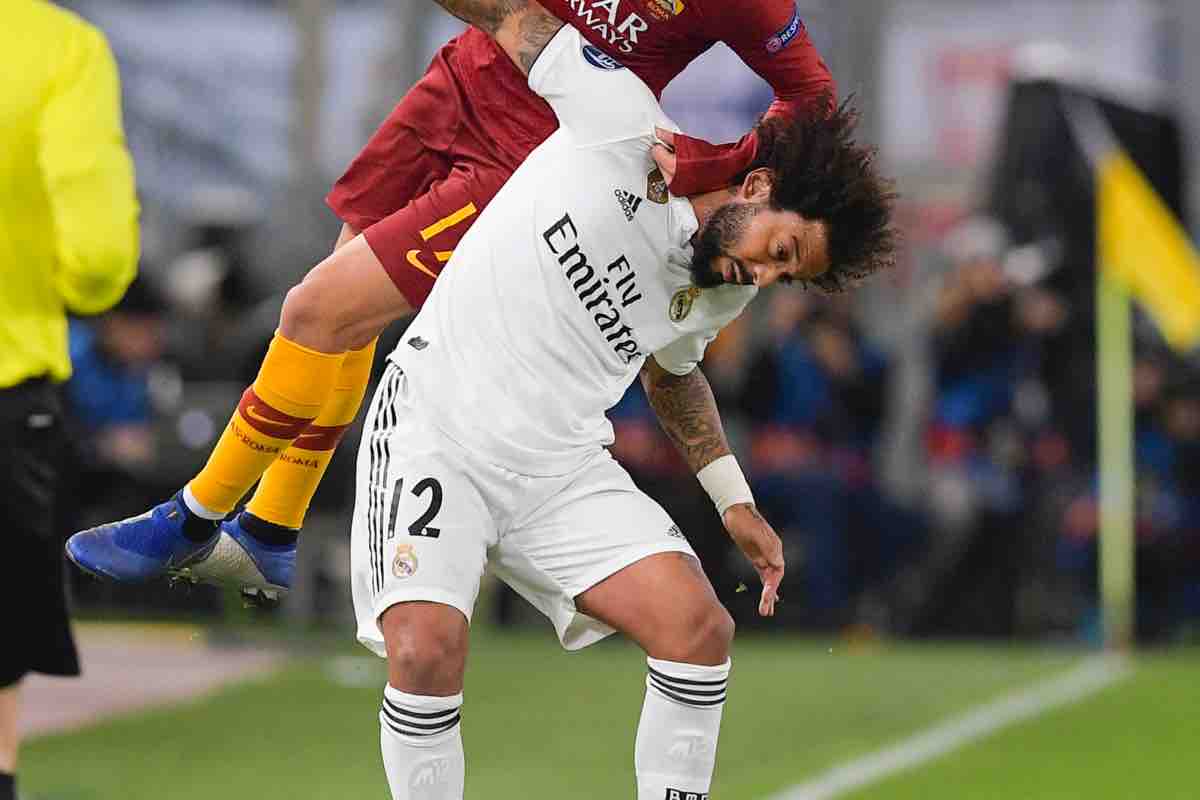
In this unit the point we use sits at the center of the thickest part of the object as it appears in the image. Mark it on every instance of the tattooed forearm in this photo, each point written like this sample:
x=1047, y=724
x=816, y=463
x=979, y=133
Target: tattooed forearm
x=687, y=412
x=521, y=27
x=536, y=28
x=488, y=15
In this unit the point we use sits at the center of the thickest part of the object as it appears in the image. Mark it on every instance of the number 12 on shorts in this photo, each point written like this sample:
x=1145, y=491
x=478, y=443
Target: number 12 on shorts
x=420, y=526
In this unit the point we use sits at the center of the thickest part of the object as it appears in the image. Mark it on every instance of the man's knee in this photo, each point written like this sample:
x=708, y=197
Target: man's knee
x=319, y=313
x=702, y=636
x=305, y=318
x=426, y=646
x=343, y=303
x=716, y=633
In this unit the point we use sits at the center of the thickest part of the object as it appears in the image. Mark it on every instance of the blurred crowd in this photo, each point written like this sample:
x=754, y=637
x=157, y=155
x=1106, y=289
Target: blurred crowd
x=980, y=519
x=1002, y=541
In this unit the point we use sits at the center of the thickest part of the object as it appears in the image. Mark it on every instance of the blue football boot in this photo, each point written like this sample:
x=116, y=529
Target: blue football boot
x=140, y=548
x=262, y=571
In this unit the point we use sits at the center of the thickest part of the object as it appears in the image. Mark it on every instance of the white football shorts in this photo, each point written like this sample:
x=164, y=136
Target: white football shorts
x=429, y=517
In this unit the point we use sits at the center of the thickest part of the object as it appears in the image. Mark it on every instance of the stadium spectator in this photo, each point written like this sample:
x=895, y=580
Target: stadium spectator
x=109, y=399
x=991, y=330
x=68, y=242
x=1167, y=512
x=817, y=392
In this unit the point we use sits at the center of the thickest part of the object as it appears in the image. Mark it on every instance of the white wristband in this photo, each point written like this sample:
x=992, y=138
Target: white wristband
x=725, y=483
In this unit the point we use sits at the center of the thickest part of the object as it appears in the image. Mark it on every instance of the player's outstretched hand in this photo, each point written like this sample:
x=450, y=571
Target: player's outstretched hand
x=664, y=153
x=756, y=538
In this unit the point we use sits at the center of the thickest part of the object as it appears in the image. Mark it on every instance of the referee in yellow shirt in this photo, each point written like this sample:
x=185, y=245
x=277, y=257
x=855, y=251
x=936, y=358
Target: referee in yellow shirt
x=68, y=243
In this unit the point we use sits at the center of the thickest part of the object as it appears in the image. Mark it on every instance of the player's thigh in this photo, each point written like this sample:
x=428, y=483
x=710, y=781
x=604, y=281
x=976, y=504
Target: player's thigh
x=389, y=270
x=420, y=531
x=347, y=233
x=667, y=605
x=344, y=302
x=414, y=243
x=599, y=555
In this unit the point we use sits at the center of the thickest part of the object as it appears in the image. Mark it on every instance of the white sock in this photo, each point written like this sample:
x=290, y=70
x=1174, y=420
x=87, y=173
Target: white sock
x=422, y=747
x=196, y=507
x=676, y=746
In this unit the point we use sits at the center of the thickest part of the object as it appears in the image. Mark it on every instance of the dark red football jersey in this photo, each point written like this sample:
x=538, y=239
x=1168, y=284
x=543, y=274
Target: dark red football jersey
x=657, y=39
x=472, y=118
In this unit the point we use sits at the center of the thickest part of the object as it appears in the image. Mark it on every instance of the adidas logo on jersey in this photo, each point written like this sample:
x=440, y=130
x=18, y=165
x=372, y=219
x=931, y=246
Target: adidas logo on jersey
x=629, y=202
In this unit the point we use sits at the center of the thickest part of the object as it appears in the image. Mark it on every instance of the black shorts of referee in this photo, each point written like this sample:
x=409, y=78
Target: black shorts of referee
x=32, y=591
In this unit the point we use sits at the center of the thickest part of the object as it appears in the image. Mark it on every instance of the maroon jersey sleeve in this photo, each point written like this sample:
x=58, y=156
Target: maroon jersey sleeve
x=770, y=37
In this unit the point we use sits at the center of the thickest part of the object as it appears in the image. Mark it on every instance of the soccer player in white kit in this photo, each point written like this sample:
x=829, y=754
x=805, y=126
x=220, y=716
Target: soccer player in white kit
x=485, y=442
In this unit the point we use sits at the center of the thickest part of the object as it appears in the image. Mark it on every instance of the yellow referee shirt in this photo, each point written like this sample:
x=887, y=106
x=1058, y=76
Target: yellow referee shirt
x=68, y=210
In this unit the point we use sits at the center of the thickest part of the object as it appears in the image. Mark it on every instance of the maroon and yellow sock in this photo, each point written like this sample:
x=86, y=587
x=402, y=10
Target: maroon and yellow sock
x=288, y=485
x=293, y=385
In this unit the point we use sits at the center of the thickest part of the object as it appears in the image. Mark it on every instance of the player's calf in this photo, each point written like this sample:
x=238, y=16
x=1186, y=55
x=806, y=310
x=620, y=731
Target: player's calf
x=676, y=748
x=420, y=717
x=686, y=634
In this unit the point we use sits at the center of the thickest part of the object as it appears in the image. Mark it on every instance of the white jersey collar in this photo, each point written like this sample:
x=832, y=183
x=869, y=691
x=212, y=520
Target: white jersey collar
x=683, y=225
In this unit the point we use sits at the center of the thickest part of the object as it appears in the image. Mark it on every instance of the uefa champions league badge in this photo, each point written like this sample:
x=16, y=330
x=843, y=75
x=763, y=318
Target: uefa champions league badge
x=404, y=565
x=600, y=59
x=780, y=40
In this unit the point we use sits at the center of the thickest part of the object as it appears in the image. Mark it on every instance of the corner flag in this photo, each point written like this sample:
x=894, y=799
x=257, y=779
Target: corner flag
x=1143, y=253
x=1142, y=247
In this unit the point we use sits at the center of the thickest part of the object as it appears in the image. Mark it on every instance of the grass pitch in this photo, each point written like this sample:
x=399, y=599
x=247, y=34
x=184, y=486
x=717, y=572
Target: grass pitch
x=540, y=723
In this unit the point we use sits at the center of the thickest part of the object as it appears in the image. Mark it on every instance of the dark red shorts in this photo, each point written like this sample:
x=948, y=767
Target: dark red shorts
x=439, y=158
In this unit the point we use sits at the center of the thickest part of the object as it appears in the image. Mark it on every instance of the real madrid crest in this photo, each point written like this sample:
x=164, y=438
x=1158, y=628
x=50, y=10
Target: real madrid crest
x=404, y=565
x=681, y=303
x=656, y=187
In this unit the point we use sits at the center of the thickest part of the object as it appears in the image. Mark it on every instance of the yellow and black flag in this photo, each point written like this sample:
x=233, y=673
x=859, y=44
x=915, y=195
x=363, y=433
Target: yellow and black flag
x=1145, y=255
x=1144, y=248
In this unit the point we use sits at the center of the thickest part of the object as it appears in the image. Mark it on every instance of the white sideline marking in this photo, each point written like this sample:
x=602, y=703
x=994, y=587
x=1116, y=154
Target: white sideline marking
x=1091, y=676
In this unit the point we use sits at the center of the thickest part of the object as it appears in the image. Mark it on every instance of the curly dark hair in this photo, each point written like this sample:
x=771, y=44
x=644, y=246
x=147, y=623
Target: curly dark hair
x=821, y=173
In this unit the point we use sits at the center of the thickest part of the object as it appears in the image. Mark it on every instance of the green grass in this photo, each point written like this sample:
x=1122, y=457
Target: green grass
x=540, y=723
x=1137, y=739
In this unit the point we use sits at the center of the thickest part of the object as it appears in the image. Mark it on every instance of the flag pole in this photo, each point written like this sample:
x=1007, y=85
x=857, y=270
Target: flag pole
x=1114, y=396
x=1114, y=374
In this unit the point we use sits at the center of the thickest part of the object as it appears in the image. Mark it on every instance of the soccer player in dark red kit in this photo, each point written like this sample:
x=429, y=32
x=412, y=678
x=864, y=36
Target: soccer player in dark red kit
x=405, y=201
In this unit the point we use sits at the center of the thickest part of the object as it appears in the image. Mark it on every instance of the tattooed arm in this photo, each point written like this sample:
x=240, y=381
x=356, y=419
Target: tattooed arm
x=521, y=27
x=687, y=411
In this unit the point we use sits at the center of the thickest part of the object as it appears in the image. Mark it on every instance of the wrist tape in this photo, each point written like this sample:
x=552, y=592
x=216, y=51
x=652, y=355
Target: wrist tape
x=725, y=483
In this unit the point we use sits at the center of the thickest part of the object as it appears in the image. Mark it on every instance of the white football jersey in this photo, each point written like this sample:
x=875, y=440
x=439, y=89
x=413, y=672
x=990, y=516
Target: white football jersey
x=574, y=274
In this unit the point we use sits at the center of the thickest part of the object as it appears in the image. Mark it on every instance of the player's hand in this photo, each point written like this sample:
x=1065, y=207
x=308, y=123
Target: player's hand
x=756, y=538
x=664, y=153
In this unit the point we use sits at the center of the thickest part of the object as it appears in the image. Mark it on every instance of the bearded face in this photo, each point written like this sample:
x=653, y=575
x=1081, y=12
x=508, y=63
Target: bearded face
x=712, y=258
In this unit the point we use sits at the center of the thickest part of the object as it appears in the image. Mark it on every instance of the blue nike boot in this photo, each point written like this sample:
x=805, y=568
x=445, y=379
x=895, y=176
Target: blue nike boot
x=252, y=554
x=144, y=547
